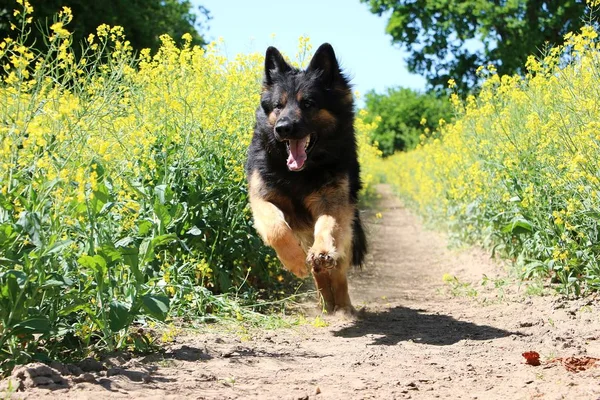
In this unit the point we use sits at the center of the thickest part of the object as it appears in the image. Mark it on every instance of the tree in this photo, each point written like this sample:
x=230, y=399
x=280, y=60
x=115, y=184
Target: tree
x=143, y=20
x=442, y=35
x=405, y=114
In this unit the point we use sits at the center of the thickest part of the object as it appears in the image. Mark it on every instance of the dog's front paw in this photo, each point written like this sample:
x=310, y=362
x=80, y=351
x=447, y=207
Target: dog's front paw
x=320, y=261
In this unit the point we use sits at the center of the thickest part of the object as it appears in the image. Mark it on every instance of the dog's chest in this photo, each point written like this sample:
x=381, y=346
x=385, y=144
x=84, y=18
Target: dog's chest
x=302, y=210
x=296, y=214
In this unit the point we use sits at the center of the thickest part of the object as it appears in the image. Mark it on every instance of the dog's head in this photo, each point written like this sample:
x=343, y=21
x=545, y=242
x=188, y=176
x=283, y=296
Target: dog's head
x=303, y=107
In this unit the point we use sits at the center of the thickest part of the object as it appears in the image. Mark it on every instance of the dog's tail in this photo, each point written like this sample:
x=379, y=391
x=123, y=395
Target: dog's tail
x=359, y=241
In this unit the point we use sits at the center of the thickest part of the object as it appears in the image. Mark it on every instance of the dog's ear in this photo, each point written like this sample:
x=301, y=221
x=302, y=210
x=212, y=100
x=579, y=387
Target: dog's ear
x=274, y=64
x=324, y=60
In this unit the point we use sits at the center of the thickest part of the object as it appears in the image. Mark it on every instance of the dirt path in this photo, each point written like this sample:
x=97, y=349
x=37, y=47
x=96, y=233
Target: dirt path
x=420, y=338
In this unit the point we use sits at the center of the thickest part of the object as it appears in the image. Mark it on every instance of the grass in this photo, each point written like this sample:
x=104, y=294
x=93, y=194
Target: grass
x=457, y=288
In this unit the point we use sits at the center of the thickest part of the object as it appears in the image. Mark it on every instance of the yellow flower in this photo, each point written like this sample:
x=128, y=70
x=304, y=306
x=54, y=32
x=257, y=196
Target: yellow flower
x=57, y=28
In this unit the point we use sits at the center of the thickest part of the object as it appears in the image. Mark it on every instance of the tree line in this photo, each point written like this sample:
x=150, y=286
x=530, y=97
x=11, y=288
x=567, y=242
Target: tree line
x=450, y=39
x=143, y=20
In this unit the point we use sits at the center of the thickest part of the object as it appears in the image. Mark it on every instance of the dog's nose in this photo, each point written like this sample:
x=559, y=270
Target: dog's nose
x=284, y=127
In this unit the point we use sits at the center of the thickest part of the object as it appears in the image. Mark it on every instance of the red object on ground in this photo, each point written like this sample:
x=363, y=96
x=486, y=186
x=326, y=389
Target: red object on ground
x=532, y=358
x=576, y=364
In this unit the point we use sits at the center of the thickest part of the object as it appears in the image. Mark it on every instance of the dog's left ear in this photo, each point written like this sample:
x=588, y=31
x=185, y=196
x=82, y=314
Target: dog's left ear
x=324, y=60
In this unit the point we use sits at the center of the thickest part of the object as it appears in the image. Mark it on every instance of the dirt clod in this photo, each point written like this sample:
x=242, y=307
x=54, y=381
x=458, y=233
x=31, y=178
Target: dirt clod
x=85, y=377
x=38, y=375
x=91, y=365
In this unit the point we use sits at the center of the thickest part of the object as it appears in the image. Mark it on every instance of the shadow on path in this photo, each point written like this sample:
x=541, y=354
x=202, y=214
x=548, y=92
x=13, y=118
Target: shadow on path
x=402, y=324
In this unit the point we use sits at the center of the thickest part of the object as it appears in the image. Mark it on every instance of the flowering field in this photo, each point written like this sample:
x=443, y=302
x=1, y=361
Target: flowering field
x=122, y=193
x=519, y=168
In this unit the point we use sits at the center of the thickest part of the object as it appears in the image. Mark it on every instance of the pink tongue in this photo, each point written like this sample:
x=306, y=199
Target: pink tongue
x=297, y=155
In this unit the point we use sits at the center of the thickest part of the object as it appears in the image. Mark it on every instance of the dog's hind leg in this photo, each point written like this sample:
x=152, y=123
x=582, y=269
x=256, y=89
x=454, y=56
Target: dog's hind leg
x=332, y=285
x=323, y=284
x=339, y=287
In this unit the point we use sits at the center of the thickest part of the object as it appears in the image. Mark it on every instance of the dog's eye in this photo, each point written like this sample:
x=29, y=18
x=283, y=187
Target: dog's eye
x=278, y=106
x=306, y=104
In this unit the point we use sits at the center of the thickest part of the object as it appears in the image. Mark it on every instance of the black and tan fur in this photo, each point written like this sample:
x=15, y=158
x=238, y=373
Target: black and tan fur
x=307, y=210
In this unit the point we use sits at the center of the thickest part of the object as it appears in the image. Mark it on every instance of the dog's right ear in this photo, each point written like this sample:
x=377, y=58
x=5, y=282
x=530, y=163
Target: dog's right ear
x=274, y=64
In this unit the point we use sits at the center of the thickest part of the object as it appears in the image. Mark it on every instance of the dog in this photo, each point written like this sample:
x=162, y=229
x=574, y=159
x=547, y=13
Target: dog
x=304, y=176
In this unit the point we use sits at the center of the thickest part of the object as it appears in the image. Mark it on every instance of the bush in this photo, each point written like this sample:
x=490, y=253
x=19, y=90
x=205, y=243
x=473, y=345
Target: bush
x=404, y=115
x=122, y=192
x=518, y=169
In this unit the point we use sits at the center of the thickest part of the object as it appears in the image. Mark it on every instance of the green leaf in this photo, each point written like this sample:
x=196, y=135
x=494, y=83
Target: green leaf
x=39, y=324
x=146, y=252
x=164, y=239
x=5, y=204
x=178, y=212
x=144, y=227
x=149, y=245
x=19, y=276
x=138, y=188
x=97, y=263
x=162, y=213
x=76, y=307
x=52, y=283
x=7, y=234
x=57, y=247
x=102, y=194
x=156, y=305
x=118, y=316
x=106, y=208
x=159, y=192
x=518, y=226
x=99, y=168
x=592, y=214
x=30, y=222
x=14, y=282
x=110, y=253
x=131, y=257
x=126, y=241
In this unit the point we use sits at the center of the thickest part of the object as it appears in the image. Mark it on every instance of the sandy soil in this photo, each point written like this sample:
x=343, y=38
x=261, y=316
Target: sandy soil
x=419, y=338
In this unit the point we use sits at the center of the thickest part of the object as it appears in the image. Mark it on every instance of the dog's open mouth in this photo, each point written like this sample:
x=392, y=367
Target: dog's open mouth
x=297, y=152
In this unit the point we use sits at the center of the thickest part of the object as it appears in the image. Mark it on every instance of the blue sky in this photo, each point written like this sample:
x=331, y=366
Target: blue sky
x=357, y=36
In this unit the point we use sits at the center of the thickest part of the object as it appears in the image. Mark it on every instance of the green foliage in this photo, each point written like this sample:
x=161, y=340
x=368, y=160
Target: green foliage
x=440, y=34
x=144, y=20
x=518, y=171
x=122, y=195
x=123, y=199
x=404, y=115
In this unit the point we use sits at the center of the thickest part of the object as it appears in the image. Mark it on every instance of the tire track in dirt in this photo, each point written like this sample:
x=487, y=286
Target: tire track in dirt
x=416, y=340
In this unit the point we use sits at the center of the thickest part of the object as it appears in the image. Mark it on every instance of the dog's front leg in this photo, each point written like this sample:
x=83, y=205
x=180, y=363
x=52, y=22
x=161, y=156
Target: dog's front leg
x=330, y=257
x=270, y=223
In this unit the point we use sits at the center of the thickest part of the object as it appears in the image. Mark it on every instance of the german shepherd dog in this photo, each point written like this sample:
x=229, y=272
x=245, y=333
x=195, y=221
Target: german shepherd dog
x=303, y=173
